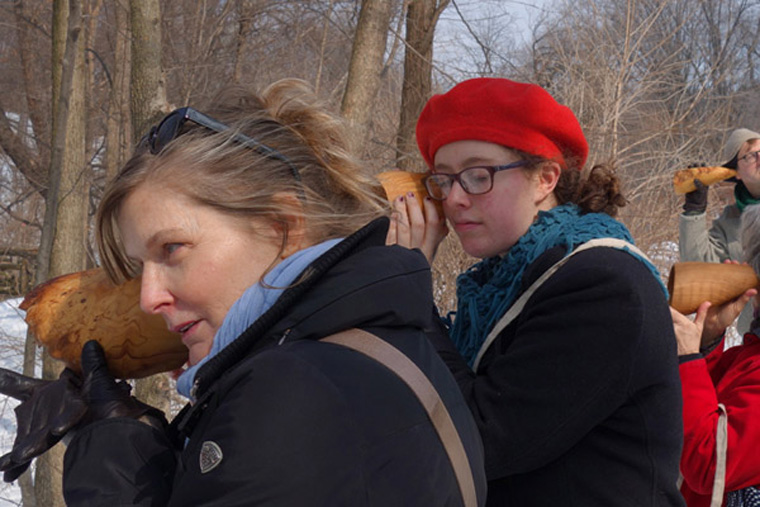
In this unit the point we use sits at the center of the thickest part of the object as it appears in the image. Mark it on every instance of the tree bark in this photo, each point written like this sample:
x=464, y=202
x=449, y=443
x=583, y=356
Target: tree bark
x=247, y=10
x=421, y=19
x=66, y=206
x=365, y=68
x=117, y=123
x=32, y=165
x=149, y=104
x=148, y=85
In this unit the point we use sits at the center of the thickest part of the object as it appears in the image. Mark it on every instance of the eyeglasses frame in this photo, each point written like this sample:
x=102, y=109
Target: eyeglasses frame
x=456, y=177
x=755, y=153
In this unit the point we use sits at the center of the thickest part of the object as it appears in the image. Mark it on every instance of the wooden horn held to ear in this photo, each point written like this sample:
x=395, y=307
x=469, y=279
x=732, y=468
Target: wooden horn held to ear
x=398, y=183
x=67, y=311
x=692, y=283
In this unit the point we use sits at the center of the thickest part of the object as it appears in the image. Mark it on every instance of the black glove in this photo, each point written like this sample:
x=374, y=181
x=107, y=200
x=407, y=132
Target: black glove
x=52, y=408
x=105, y=397
x=49, y=409
x=696, y=201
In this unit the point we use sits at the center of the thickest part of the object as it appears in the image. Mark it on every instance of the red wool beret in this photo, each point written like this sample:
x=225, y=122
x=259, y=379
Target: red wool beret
x=516, y=115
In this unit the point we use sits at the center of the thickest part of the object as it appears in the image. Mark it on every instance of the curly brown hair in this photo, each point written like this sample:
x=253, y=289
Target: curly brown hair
x=594, y=191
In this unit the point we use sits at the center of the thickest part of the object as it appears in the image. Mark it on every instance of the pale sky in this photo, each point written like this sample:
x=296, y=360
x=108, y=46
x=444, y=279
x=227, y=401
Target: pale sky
x=506, y=20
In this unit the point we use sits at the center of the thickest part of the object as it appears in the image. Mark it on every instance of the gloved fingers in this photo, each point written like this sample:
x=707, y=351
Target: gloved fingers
x=72, y=378
x=6, y=462
x=44, y=419
x=71, y=415
x=36, y=443
x=93, y=358
x=99, y=385
x=700, y=186
x=18, y=386
x=12, y=473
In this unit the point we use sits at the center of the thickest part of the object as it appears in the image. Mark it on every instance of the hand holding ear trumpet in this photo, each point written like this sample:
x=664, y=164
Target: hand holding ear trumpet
x=710, y=322
x=417, y=220
x=685, y=180
x=50, y=409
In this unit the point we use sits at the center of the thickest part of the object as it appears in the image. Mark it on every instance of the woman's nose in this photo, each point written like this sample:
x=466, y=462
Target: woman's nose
x=154, y=294
x=457, y=196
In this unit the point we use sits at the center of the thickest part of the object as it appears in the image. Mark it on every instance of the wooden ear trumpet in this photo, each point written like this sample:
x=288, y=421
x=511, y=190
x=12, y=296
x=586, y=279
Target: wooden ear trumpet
x=398, y=183
x=66, y=312
x=692, y=283
x=683, y=180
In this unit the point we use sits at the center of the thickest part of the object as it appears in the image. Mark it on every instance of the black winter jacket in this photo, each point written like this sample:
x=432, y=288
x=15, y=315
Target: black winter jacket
x=578, y=400
x=298, y=422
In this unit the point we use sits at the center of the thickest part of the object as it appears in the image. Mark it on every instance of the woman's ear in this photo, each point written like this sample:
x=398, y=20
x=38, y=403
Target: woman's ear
x=548, y=176
x=291, y=224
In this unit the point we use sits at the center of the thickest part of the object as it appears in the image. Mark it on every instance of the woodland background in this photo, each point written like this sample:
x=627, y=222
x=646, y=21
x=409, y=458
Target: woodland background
x=656, y=84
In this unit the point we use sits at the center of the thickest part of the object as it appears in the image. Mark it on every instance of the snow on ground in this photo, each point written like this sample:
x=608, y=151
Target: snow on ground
x=12, y=336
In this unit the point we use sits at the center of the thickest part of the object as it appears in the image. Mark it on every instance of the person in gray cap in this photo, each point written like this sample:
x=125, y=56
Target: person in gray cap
x=723, y=241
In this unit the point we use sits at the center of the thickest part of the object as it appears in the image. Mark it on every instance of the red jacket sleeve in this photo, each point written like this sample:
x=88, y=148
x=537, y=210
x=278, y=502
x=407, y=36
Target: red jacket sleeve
x=733, y=379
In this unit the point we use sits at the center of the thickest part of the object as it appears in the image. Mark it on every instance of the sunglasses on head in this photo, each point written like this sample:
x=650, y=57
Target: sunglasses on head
x=170, y=127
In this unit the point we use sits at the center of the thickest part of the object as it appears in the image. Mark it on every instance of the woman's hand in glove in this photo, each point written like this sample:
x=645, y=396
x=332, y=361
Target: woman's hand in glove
x=695, y=202
x=49, y=409
x=52, y=408
x=104, y=396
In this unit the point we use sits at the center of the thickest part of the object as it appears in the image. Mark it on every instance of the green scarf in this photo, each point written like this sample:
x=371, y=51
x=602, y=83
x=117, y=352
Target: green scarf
x=743, y=197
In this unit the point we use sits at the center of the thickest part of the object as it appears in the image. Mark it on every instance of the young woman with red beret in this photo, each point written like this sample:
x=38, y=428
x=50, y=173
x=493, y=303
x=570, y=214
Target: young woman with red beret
x=570, y=369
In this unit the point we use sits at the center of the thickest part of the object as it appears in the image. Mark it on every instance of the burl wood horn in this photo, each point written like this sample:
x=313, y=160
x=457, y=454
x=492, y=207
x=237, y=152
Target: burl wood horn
x=398, y=183
x=67, y=311
x=692, y=283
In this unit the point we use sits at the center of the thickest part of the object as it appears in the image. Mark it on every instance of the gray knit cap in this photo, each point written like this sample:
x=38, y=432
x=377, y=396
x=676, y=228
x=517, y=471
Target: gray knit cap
x=735, y=141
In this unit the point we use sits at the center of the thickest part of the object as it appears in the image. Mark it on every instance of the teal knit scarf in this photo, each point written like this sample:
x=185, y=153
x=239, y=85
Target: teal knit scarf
x=487, y=290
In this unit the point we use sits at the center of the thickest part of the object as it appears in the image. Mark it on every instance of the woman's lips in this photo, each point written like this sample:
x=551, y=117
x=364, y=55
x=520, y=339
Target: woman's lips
x=465, y=226
x=184, y=327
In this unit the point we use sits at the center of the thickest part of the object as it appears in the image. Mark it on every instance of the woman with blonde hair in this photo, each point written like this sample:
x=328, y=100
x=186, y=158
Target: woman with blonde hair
x=260, y=240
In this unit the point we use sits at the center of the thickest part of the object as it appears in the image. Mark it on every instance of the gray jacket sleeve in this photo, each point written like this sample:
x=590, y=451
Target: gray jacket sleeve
x=721, y=242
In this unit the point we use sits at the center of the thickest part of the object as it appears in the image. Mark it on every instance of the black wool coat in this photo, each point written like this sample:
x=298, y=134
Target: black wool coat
x=298, y=422
x=578, y=400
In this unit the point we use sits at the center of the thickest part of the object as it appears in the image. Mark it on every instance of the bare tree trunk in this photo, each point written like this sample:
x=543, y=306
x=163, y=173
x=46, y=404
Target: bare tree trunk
x=245, y=20
x=421, y=19
x=67, y=201
x=36, y=100
x=40, y=127
x=117, y=124
x=149, y=104
x=365, y=67
x=148, y=84
x=323, y=46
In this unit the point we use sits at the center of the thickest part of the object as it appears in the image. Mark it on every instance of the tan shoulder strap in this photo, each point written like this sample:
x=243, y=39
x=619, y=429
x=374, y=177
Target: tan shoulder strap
x=518, y=305
x=721, y=446
x=393, y=359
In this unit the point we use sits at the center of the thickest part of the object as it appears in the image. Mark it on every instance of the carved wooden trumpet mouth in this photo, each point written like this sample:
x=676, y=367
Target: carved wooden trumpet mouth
x=692, y=283
x=67, y=311
x=398, y=183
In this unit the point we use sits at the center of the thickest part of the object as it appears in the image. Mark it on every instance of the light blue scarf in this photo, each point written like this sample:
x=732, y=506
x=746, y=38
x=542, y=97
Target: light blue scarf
x=256, y=300
x=487, y=290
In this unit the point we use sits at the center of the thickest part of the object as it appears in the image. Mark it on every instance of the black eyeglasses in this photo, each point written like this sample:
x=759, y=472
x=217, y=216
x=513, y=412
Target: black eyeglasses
x=169, y=128
x=752, y=156
x=473, y=180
